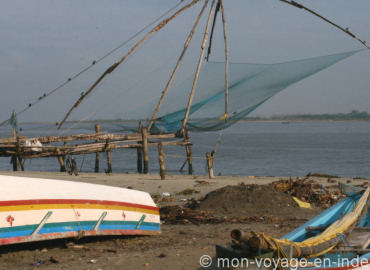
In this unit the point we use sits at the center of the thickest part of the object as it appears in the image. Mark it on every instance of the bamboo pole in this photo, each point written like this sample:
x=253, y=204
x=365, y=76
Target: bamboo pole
x=131, y=51
x=144, y=133
x=209, y=158
x=226, y=61
x=97, y=155
x=188, y=153
x=162, y=165
x=345, y=30
x=212, y=30
x=186, y=45
x=196, y=77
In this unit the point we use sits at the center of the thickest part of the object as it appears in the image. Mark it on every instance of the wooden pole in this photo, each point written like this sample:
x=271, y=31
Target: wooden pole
x=14, y=157
x=14, y=162
x=209, y=158
x=18, y=157
x=61, y=160
x=212, y=30
x=162, y=165
x=158, y=27
x=186, y=45
x=139, y=159
x=97, y=155
x=144, y=134
x=226, y=61
x=188, y=153
x=109, y=160
x=139, y=151
x=196, y=77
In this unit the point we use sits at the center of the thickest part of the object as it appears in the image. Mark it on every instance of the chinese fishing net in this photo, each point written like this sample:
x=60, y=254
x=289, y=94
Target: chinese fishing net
x=250, y=85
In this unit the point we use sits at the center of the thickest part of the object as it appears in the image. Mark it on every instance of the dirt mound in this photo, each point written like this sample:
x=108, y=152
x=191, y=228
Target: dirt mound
x=253, y=200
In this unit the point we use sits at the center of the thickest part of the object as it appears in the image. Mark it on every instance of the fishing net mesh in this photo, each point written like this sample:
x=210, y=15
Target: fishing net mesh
x=250, y=85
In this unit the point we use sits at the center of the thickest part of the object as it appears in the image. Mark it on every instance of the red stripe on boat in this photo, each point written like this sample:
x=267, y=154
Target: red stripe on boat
x=75, y=201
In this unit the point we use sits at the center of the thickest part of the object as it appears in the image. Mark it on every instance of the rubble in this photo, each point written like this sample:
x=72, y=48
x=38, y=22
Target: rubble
x=309, y=191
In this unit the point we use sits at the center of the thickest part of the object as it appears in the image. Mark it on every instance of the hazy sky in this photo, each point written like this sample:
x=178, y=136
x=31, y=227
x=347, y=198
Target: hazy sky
x=43, y=42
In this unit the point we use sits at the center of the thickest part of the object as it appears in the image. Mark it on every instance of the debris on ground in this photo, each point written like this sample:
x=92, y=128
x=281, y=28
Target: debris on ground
x=163, y=199
x=187, y=191
x=201, y=183
x=322, y=175
x=309, y=191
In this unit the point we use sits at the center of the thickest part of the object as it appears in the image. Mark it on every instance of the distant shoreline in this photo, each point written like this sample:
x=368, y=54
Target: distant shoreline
x=353, y=116
x=247, y=120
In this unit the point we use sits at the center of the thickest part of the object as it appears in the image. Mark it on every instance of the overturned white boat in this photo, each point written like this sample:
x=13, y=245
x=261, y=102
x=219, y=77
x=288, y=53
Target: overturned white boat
x=34, y=209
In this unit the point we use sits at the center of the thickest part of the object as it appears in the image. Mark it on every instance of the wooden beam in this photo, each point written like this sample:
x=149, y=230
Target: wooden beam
x=200, y=61
x=186, y=45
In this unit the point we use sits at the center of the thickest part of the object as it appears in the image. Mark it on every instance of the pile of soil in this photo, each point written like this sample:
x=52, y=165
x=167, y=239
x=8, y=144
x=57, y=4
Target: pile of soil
x=253, y=200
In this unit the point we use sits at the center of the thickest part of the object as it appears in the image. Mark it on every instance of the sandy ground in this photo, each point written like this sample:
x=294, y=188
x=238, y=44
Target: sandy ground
x=173, y=183
x=178, y=247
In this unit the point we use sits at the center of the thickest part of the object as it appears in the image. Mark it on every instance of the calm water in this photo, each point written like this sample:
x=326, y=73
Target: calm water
x=266, y=149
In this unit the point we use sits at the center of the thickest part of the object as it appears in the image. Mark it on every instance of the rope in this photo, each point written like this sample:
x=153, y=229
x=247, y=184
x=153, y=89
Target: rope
x=345, y=30
x=116, y=99
x=110, y=69
x=30, y=105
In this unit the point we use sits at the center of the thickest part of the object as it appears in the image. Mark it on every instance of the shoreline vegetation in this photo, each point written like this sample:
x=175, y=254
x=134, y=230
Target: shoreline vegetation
x=354, y=115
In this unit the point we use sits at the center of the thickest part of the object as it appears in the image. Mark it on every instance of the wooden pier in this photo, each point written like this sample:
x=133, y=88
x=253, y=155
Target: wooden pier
x=20, y=148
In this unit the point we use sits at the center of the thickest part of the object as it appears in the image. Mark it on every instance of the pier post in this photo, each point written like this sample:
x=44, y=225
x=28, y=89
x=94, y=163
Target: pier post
x=162, y=164
x=61, y=161
x=209, y=158
x=139, y=151
x=13, y=160
x=188, y=153
x=109, y=159
x=139, y=159
x=97, y=155
x=144, y=135
x=18, y=158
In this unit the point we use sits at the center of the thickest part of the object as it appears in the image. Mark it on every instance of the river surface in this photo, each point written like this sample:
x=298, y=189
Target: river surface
x=247, y=148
